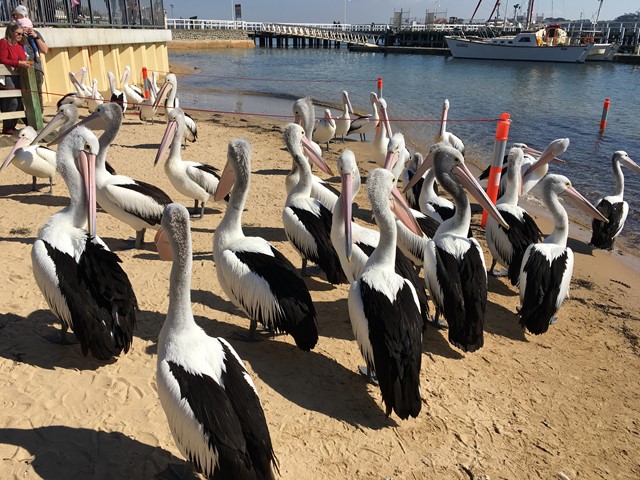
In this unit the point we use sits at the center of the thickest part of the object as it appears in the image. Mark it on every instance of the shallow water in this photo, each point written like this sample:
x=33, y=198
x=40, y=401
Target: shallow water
x=545, y=100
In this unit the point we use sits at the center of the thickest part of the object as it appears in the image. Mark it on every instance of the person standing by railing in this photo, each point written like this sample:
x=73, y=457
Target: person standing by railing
x=13, y=56
x=33, y=43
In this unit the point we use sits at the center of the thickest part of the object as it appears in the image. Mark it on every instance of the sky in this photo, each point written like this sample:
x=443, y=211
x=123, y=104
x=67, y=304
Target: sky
x=381, y=11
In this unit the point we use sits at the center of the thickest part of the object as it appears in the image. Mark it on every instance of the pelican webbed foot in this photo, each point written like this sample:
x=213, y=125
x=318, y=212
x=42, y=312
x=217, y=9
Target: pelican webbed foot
x=371, y=375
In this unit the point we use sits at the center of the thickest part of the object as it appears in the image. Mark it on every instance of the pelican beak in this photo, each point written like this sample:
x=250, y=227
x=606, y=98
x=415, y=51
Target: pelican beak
x=21, y=143
x=347, y=207
x=348, y=102
x=384, y=119
x=55, y=122
x=75, y=82
x=402, y=211
x=314, y=156
x=163, y=246
x=162, y=94
x=167, y=138
x=298, y=119
x=583, y=204
x=469, y=182
x=92, y=122
x=555, y=148
x=87, y=163
x=426, y=164
x=631, y=165
x=391, y=159
x=227, y=179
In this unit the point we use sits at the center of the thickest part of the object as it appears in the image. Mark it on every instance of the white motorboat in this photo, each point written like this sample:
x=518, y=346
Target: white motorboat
x=550, y=44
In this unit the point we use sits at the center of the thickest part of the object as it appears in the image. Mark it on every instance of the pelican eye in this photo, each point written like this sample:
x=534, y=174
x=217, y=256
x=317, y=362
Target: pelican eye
x=87, y=147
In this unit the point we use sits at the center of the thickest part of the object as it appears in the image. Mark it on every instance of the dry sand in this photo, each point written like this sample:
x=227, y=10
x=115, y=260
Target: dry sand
x=562, y=405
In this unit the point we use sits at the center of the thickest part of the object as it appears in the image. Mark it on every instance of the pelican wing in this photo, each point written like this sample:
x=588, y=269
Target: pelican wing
x=204, y=175
x=140, y=199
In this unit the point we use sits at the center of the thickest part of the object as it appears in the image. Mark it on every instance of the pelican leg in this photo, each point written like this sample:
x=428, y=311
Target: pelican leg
x=34, y=186
x=61, y=338
x=553, y=320
x=50, y=186
x=496, y=273
x=140, y=238
x=437, y=322
x=248, y=337
x=306, y=271
x=202, y=211
x=370, y=374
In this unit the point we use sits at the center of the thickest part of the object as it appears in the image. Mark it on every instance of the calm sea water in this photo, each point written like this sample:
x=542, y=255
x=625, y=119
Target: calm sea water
x=546, y=101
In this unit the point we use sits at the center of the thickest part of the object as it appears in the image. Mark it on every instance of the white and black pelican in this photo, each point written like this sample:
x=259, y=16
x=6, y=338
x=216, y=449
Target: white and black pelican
x=324, y=129
x=66, y=117
x=81, y=280
x=383, y=307
x=613, y=207
x=306, y=221
x=366, y=123
x=355, y=243
x=169, y=92
x=455, y=272
x=343, y=122
x=35, y=160
x=255, y=276
x=547, y=267
x=446, y=136
x=508, y=246
x=430, y=202
x=304, y=115
x=136, y=203
x=412, y=245
x=117, y=96
x=210, y=401
x=193, y=179
x=133, y=93
x=382, y=136
x=96, y=97
x=412, y=195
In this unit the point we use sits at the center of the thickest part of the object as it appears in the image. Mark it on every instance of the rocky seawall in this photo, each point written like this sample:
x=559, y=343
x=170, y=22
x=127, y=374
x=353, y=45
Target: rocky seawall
x=185, y=39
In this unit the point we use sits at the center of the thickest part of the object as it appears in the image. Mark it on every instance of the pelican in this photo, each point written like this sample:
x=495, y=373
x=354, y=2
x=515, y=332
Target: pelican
x=547, y=267
x=192, y=179
x=413, y=194
x=366, y=123
x=169, y=92
x=343, y=122
x=303, y=114
x=96, y=97
x=210, y=401
x=508, y=246
x=35, y=160
x=66, y=117
x=412, y=245
x=306, y=221
x=132, y=92
x=77, y=97
x=444, y=135
x=136, y=203
x=117, y=96
x=384, y=309
x=430, y=203
x=382, y=136
x=613, y=207
x=253, y=274
x=455, y=272
x=81, y=280
x=324, y=129
x=355, y=243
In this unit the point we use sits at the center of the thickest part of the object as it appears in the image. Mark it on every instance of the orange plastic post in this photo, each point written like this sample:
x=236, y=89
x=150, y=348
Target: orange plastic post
x=605, y=112
x=145, y=83
x=379, y=87
x=495, y=171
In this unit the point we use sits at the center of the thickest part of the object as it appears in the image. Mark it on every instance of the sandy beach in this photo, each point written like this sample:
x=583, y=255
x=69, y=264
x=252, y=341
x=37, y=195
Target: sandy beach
x=564, y=405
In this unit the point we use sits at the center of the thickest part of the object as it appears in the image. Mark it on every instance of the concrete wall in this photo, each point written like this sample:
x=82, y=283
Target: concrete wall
x=100, y=50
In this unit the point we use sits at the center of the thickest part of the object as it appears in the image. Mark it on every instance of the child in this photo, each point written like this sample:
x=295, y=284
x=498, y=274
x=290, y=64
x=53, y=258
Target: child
x=20, y=14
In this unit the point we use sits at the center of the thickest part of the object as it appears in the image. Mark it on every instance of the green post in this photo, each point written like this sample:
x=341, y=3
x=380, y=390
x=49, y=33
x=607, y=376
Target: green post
x=30, y=98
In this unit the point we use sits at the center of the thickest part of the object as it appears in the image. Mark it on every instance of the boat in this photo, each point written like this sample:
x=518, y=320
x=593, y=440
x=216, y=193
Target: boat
x=548, y=44
x=603, y=52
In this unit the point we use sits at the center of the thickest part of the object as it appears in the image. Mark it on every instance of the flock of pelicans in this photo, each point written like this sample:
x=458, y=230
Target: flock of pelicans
x=209, y=399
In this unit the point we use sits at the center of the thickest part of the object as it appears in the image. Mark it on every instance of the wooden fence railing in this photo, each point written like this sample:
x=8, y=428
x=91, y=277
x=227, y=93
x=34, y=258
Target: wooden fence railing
x=30, y=100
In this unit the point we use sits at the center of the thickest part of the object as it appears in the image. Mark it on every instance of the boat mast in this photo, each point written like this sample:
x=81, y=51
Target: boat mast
x=529, y=13
x=598, y=14
x=475, y=11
